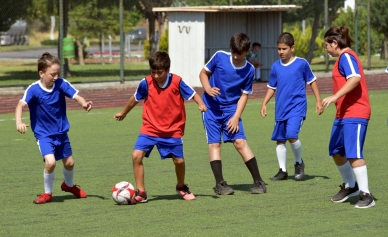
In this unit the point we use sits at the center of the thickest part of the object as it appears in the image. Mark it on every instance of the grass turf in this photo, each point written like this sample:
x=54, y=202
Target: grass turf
x=102, y=149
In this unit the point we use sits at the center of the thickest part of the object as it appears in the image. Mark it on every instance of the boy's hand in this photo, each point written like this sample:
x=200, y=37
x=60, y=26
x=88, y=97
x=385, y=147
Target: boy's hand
x=328, y=100
x=21, y=127
x=119, y=116
x=202, y=108
x=263, y=111
x=319, y=108
x=232, y=125
x=213, y=92
x=87, y=106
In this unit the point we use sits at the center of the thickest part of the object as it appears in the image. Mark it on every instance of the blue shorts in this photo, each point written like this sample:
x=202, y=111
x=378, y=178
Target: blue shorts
x=287, y=129
x=215, y=122
x=58, y=145
x=167, y=146
x=348, y=137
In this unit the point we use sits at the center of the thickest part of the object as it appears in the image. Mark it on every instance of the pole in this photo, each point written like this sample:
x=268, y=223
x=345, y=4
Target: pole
x=369, y=56
x=356, y=26
x=230, y=2
x=121, y=42
x=326, y=28
x=60, y=44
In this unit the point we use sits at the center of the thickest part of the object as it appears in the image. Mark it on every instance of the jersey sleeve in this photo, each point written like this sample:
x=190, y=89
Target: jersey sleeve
x=187, y=92
x=211, y=65
x=68, y=89
x=308, y=73
x=141, y=90
x=348, y=66
x=273, y=82
x=28, y=95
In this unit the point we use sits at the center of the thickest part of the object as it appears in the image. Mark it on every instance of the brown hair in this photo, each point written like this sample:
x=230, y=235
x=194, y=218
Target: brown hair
x=339, y=34
x=286, y=38
x=46, y=60
x=159, y=60
x=240, y=43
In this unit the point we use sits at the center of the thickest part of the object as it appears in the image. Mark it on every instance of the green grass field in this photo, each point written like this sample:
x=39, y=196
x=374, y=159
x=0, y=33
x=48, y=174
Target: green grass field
x=102, y=149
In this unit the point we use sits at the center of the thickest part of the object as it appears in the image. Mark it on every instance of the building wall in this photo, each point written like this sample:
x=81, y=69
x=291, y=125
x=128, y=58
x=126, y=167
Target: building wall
x=261, y=27
x=186, y=36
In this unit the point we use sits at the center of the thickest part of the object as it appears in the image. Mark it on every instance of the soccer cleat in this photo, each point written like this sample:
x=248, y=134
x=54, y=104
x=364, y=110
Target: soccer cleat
x=299, y=171
x=281, y=175
x=43, y=198
x=76, y=190
x=222, y=188
x=366, y=200
x=259, y=187
x=185, y=192
x=345, y=193
x=140, y=197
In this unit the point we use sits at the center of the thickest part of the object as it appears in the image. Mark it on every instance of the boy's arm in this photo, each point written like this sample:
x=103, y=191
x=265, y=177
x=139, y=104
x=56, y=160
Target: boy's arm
x=201, y=106
x=268, y=95
x=318, y=103
x=232, y=125
x=204, y=78
x=350, y=84
x=86, y=105
x=20, y=126
x=128, y=107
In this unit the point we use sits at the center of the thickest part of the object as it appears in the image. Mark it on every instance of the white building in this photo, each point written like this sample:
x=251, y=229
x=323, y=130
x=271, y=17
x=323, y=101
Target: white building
x=196, y=33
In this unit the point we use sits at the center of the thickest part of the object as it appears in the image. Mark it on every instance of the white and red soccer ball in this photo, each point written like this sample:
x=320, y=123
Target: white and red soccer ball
x=123, y=193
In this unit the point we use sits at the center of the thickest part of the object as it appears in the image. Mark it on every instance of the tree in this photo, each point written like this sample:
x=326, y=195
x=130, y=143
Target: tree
x=145, y=8
x=379, y=21
x=11, y=11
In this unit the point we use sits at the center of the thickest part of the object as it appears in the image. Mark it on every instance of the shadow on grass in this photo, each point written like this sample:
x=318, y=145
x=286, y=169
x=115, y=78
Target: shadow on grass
x=176, y=196
x=70, y=197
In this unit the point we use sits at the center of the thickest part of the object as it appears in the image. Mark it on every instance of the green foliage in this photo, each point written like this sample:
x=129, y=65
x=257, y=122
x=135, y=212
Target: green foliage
x=164, y=41
x=49, y=42
x=379, y=16
x=146, y=49
x=302, y=41
x=11, y=11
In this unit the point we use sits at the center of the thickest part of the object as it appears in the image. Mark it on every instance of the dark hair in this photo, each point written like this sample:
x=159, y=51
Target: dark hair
x=46, y=60
x=240, y=43
x=339, y=34
x=159, y=60
x=286, y=38
x=256, y=44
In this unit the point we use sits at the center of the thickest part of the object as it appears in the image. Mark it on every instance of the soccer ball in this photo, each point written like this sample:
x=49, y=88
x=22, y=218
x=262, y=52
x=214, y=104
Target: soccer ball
x=123, y=193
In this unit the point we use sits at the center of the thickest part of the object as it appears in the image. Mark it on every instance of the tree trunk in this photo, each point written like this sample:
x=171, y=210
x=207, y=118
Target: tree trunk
x=314, y=34
x=66, y=3
x=151, y=24
x=385, y=49
x=80, y=47
x=101, y=53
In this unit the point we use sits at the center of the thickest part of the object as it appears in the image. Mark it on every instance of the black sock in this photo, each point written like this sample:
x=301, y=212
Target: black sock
x=254, y=169
x=216, y=166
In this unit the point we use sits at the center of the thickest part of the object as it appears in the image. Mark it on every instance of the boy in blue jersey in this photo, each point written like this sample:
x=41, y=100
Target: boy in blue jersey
x=386, y=70
x=46, y=101
x=227, y=80
x=288, y=77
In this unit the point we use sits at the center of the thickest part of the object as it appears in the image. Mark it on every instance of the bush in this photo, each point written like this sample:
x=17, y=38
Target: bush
x=49, y=42
x=164, y=41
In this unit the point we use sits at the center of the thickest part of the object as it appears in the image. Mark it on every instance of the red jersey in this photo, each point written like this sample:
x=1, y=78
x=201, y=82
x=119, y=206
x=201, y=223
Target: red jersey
x=355, y=104
x=164, y=113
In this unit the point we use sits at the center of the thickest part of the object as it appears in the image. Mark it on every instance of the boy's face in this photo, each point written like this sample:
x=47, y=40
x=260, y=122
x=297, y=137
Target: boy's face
x=256, y=49
x=285, y=51
x=50, y=75
x=159, y=75
x=239, y=59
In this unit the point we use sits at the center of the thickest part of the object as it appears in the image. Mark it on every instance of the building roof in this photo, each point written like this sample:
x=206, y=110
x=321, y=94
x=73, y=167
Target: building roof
x=252, y=8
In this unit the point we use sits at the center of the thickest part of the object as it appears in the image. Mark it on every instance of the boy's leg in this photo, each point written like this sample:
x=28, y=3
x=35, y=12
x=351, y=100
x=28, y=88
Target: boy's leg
x=181, y=188
x=48, y=178
x=294, y=125
x=222, y=188
x=279, y=135
x=68, y=183
x=138, y=168
x=349, y=188
x=361, y=173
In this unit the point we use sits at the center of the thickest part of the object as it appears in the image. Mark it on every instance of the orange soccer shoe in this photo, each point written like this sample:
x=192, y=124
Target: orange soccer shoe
x=76, y=190
x=43, y=198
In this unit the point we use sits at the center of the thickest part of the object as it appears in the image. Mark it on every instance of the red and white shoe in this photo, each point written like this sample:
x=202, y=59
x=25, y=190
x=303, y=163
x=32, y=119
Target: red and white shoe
x=43, y=198
x=184, y=191
x=76, y=190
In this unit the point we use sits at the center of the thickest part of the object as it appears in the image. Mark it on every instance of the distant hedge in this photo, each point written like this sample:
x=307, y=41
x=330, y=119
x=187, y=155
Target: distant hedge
x=49, y=42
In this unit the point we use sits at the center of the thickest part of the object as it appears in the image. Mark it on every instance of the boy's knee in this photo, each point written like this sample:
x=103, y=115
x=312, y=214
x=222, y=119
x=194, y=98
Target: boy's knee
x=239, y=143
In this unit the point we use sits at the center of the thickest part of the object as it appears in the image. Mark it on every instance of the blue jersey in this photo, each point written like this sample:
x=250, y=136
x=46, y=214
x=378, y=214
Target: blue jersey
x=289, y=81
x=186, y=91
x=386, y=70
x=48, y=107
x=348, y=66
x=231, y=80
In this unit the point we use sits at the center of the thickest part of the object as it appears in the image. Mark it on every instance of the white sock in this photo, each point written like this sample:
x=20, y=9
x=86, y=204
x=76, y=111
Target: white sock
x=48, y=182
x=281, y=152
x=346, y=172
x=296, y=148
x=69, y=177
x=361, y=174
